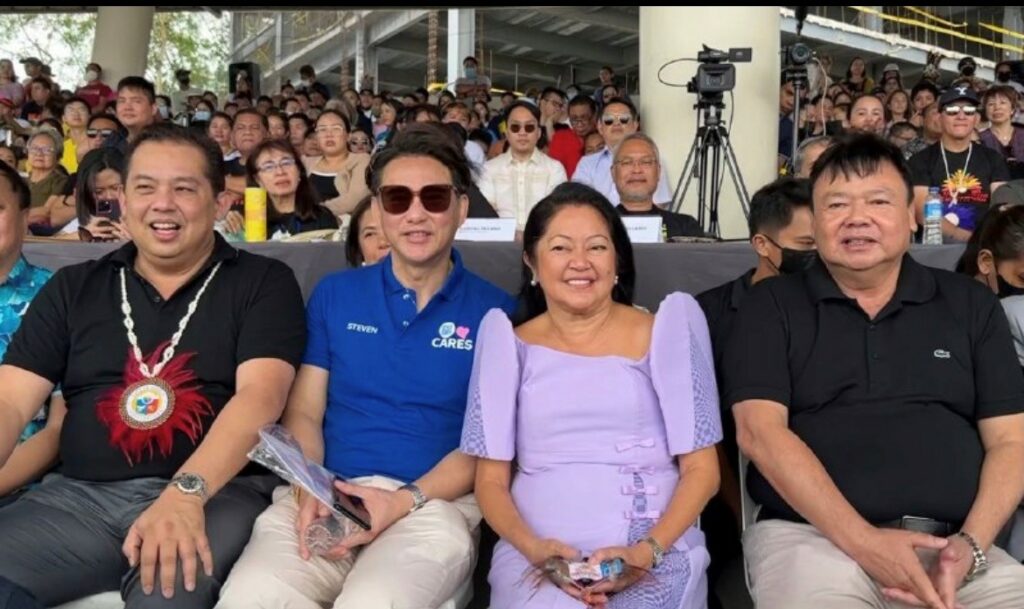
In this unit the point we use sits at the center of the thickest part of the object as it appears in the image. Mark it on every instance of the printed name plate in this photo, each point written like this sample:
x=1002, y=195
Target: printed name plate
x=643, y=229
x=488, y=229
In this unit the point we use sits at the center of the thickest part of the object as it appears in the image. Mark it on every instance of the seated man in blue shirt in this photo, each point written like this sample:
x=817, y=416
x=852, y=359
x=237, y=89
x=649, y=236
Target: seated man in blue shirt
x=379, y=400
x=19, y=284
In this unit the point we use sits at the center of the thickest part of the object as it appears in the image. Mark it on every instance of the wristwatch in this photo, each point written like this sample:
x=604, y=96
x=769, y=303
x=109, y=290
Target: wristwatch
x=980, y=560
x=418, y=498
x=190, y=484
x=659, y=552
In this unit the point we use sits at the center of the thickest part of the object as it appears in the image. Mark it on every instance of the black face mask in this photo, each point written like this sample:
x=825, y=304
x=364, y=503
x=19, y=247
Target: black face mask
x=1005, y=289
x=1003, y=76
x=794, y=261
x=968, y=71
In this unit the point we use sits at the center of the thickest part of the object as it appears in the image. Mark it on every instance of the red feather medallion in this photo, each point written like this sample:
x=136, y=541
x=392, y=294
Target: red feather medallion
x=143, y=414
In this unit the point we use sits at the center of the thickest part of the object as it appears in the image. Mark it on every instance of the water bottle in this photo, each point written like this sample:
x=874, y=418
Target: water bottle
x=323, y=534
x=932, y=218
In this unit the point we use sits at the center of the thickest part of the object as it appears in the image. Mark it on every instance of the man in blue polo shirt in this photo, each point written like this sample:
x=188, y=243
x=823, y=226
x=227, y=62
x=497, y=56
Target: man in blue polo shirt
x=380, y=399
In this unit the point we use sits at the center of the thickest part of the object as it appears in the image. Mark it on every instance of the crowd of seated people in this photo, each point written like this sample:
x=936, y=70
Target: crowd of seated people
x=879, y=402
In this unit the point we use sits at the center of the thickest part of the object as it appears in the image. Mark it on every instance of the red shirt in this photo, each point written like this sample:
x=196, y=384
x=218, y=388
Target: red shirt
x=567, y=148
x=96, y=94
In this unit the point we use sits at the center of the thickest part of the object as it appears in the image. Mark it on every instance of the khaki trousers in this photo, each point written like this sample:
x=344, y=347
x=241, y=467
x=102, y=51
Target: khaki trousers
x=418, y=563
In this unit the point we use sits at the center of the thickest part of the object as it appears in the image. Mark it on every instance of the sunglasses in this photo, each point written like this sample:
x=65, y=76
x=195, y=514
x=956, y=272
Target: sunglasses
x=954, y=110
x=517, y=127
x=99, y=132
x=435, y=198
x=623, y=119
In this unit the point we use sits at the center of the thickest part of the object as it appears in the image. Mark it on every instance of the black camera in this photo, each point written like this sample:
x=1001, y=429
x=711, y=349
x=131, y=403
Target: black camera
x=714, y=75
x=797, y=54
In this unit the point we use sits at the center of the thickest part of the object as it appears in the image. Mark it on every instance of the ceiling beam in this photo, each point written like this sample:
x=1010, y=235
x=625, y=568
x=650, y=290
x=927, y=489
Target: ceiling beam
x=549, y=43
x=602, y=16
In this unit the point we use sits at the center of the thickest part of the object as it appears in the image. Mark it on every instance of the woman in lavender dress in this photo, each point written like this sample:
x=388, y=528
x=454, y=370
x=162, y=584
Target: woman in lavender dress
x=609, y=414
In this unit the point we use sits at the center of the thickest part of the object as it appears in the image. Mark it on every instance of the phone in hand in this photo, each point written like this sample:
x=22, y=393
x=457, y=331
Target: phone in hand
x=352, y=508
x=109, y=209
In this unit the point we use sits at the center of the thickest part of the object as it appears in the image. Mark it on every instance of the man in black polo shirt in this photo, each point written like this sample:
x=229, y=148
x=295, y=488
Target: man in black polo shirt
x=172, y=352
x=881, y=403
x=636, y=169
x=780, y=233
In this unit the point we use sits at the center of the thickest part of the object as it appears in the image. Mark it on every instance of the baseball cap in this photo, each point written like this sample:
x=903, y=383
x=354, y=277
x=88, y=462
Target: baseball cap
x=182, y=72
x=960, y=93
x=890, y=67
x=32, y=60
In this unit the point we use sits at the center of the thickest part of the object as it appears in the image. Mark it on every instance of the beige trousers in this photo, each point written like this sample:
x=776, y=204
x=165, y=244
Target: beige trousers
x=793, y=566
x=418, y=563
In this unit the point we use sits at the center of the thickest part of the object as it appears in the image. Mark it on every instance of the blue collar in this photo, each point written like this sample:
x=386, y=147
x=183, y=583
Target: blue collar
x=18, y=273
x=451, y=284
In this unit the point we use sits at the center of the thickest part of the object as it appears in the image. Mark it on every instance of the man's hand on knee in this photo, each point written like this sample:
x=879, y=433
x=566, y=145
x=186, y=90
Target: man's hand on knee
x=889, y=556
x=173, y=527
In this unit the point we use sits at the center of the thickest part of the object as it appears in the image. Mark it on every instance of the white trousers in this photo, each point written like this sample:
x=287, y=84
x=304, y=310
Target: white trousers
x=417, y=563
x=793, y=566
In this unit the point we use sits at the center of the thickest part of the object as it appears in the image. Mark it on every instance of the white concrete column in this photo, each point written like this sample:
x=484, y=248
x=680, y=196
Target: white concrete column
x=872, y=21
x=461, y=40
x=1013, y=22
x=121, y=44
x=667, y=113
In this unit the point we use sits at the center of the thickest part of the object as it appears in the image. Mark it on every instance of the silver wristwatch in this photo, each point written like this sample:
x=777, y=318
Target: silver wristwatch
x=980, y=560
x=190, y=484
x=659, y=552
x=418, y=498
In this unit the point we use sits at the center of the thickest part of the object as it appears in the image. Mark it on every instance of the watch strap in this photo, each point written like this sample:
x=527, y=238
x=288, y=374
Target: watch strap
x=418, y=498
x=980, y=560
x=659, y=552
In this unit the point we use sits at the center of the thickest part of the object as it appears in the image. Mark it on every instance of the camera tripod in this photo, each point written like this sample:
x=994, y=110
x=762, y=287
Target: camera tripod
x=709, y=145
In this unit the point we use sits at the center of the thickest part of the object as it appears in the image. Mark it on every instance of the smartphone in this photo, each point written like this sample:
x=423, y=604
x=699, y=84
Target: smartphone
x=351, y=508
x=109, y=208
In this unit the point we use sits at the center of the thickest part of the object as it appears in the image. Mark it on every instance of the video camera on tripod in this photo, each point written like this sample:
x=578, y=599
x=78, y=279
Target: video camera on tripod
x=715, y=76
x=795, y=58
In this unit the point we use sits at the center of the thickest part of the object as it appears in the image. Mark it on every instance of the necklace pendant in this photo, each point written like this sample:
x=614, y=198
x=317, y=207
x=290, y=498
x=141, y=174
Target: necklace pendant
x=147, y=404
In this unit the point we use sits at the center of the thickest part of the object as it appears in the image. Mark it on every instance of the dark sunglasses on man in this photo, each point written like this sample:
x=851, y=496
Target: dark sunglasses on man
x=623, y=119
x=527, y=127
x=98, y=132
x=435, y=198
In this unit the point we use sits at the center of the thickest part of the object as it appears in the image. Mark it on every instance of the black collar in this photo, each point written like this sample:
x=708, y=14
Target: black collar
x=739, y=288
x=222, y=252
x=914, y=284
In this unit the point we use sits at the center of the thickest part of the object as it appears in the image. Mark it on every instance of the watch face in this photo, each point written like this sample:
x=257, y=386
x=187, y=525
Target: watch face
x=190, y=483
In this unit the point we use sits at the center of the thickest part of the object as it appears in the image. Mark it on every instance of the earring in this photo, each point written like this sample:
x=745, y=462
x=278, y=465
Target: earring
x=616, y=280
x=533, y=282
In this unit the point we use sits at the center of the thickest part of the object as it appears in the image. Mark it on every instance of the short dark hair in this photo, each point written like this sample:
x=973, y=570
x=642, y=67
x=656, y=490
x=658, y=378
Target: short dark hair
x=168, y=133
x=140, y=84
x=430, y=109
x=223, y=115
x=301, y=93
x=19, y=186
x=860, y=154
x=924, y=85
x=353, y=251
x=903, y=126
x=549, y=90
x=531, y=297
x=284, y=102
x=301, y=117
x=624, y=102
x=253, y=112
x=366, y=91
x=422, y=94
x=1000, y=231
x=307, y=70
x=584, y=100
x=535, y=113
x=230, y=104
x=265, y=98
x=74, y=99
x=106, y=117
x=423, y=139
x=771, y=207
x=306, y=200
